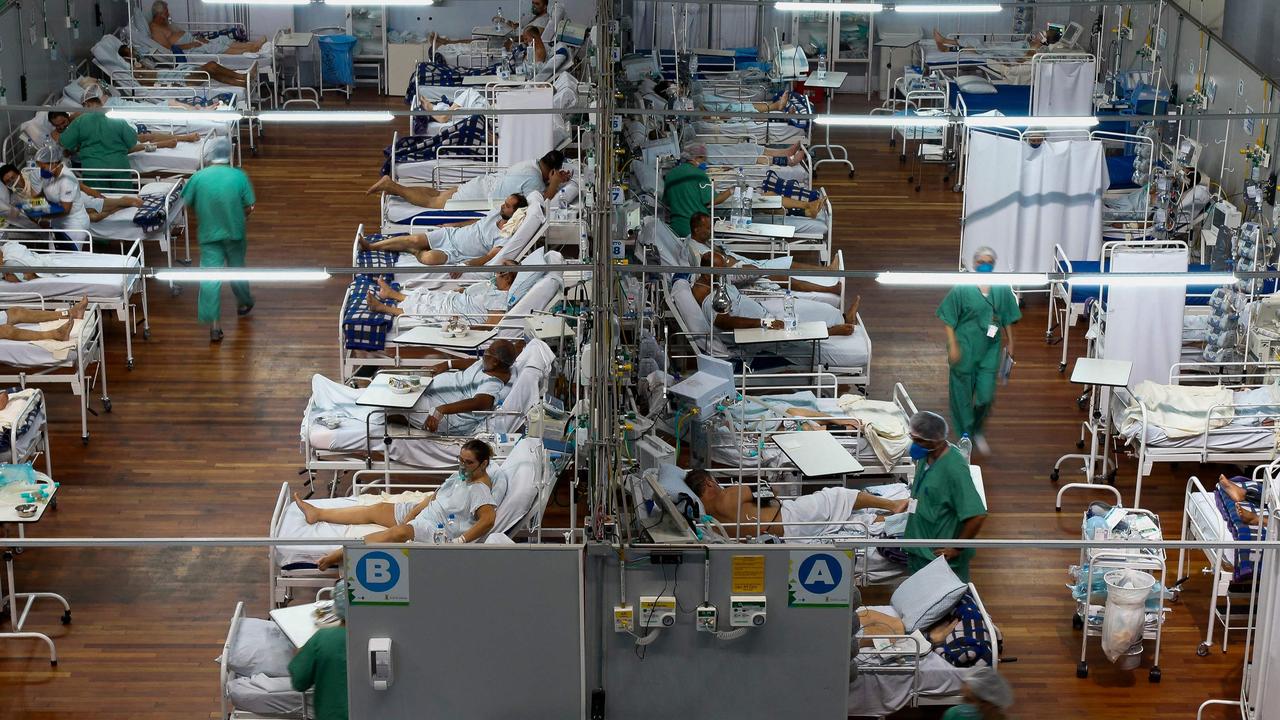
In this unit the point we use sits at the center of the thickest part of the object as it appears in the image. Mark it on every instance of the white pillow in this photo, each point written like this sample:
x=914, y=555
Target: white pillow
x=263, y=695
x=259, y=647
x=975, y=85
x=526, y=280
x=521, y=471
x=927, y=596
x=671, y=478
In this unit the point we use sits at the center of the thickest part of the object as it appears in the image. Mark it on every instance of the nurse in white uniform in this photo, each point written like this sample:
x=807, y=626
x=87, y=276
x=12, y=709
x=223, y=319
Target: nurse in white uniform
x=60, y=186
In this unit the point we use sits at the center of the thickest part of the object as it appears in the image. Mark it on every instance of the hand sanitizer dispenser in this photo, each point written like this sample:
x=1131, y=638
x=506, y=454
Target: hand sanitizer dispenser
x=380, y=663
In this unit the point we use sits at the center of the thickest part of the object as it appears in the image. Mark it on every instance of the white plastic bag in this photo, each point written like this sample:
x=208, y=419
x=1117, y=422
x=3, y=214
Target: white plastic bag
x=1122, y=624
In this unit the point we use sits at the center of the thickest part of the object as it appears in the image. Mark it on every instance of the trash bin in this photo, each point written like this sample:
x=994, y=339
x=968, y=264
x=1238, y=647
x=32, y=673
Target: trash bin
x=1125, y=616
x=337, y=59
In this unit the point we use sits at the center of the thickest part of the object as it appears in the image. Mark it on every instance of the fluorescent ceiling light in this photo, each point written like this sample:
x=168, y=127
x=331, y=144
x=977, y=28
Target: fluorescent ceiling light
x=831, y=7
x=934, y=8
x=963, y=278
x=882, y=120
x=383, y=3
x=1045, y=121
x=1134, y=280
x=246, y=274
x=325, y=116
x=176, y=116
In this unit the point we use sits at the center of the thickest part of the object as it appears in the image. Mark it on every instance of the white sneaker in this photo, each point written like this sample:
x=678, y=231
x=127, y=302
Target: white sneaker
x=980, y=442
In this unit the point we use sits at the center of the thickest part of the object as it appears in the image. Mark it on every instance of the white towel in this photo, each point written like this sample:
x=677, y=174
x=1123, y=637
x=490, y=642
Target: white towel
x=1179, y=411
x=884, y=425
x=513, y=223
x=60, y=349
x=12, y=412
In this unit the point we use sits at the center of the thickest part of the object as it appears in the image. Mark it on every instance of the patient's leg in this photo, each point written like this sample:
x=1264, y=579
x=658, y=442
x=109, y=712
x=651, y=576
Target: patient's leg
x=222, y=74
x=112, y=204
x=851, y=315
x=386, y=292
x=420, y=196
x=240, y=48
x=944, y=43
x=168, y=137
x=399, y=243
x=383, y=514
x=30, y=315
x=1243, y=491
x=377, y=305
x=774, y=106
x=10, y=332
x=803, y=286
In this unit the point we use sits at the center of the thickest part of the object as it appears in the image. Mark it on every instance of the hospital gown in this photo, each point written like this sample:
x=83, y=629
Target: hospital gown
x=838, y=350
x=522, y=178
x=474, y=303
x=456, y=497
x=469, y=241
x=452, y=387
x=211, y=46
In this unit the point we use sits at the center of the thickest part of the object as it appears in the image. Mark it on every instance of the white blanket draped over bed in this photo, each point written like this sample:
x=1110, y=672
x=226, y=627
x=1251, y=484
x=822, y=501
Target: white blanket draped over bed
x=1180, y=410
x=1022, y=200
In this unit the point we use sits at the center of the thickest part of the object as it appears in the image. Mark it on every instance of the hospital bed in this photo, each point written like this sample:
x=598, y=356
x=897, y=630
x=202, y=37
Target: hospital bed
x=1002, y=53
x=78, y=362
x=1205, y=517
x=24, y=429
x=906, y=674
x=541, y=297
x=356, y=444
x=251, y=684
x=139, y=36
x=529, y=483
x=110, y=292
x=852, y=354
x=1208, y=413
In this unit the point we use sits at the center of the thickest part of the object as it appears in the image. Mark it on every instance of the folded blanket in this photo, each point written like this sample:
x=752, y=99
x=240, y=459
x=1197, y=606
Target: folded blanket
x=12, y=413
x=152, y=215
x=464, y=134
x=513, y=223
x=362, y=328
x=1178, y=410
x=60, y=349
x=883, y=424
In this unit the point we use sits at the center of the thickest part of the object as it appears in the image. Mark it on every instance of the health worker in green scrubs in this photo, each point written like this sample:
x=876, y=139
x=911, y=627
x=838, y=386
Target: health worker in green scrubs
x=222, y=198
x=322, y=664
x=100, y=144
x=977, y=319
x=945, y=503
x=687, y=189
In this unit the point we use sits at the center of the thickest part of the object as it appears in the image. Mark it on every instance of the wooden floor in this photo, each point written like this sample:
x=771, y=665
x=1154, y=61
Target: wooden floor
x=201, y=438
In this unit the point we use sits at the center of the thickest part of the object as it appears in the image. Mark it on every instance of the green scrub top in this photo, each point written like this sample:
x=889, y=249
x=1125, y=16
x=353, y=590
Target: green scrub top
x=962, y=712
x=966, y=310
x=945, y=498
x=219, y=194
x=100, y=143
x=322, y=664
x=687, y=192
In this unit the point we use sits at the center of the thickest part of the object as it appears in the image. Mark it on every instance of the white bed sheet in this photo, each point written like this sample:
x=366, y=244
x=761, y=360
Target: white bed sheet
x=1240, y=438
x=184, y=158
x=19, y=353
x=104, y=287
x=876, y=695
x=1205, y=509
x=294, y=525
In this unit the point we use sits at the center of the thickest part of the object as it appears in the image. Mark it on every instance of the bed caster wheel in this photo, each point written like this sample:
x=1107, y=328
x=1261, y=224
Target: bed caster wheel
x=1202, y=650
x=917, y=188
x=1062, y=367
x=106, y=402
x=1154, y=675
x=185, y=263
x=128, y=364
x=1111, y=477
x=851, y=174
x=902, y=159
x=84, y=440
x=1079, y=444
x=911, y=179
x=1078, y=624
x=53, y=503
x=53, y=663
x=1082, y=670
x=175, y=291
x=1082, y=404
x=956, y=188
x=892, y=142
x=146, y=333
x=66, y=617
x=1053, y=476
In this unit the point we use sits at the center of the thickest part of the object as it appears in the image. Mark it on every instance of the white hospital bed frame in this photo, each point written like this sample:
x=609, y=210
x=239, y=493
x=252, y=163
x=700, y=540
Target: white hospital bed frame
x=225, y=674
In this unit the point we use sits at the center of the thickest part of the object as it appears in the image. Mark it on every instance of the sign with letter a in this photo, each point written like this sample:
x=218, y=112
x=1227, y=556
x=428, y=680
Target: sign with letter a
x=820, y=579
x=378, y=577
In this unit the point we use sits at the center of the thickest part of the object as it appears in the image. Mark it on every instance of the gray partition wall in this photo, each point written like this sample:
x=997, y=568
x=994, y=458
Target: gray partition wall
x=796, y=665
x=489, y=631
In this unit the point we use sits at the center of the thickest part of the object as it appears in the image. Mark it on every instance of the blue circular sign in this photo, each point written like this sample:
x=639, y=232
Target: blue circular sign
x=378, y=571
x=820, y=579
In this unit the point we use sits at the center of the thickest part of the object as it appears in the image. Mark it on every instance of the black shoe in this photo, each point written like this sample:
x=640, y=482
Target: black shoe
x=244, y=310
x=215, y=335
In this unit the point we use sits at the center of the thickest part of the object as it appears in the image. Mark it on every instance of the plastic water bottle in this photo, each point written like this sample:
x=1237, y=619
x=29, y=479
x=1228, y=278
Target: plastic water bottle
x=735, y=212
x=499, y=21
x=451, y=527
x=822, y=66
x=966, y=447
x=789, y=319
x=746, y=208
x=438, y=537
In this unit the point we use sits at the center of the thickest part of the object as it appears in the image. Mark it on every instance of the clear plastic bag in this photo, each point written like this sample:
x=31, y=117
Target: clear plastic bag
x=1122, y=624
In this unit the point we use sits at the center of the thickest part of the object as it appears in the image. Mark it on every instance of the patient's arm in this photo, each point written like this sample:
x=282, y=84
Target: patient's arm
x=725, y=321
x=850, y=423
x=485, y=518
x=475, y=404
x=476, y=262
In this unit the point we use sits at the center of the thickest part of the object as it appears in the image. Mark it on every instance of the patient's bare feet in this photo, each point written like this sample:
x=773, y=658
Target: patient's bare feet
x=851, y=315
x=813, y=208
x=64, y=332
x=77, y=311
x=795, y=158
x=943, y=42
x=384, y=288
x=4, y=400
x=1233, y=491
x=781, y=102
x=795, y=148
x=365, y=244
x=377, y=305
x=131, y=201
x=383, y=183
x=309, y=511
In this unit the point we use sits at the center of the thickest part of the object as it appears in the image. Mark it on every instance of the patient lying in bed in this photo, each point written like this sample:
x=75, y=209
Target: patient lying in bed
x=746, y=312
x=484, y=301
x=13, y=317
x=809, y=516
x=700, y=250
x=471, y=242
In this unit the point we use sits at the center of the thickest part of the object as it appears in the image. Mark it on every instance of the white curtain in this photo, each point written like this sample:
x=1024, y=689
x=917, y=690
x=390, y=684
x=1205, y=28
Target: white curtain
x=1266, y=644
x=1023, y=200
x=1063, y=88
x=691, y=28
x=524, y=137
x=734, y=26
x=1144, y=324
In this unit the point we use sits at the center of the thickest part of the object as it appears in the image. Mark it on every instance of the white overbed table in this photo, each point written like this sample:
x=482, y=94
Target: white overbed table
x=433, y=336
x=1096, y=373
x=297, y=622
x=10, y=497
x=812, y=332
x=756, y=230
x=817, y=453
x=380, y=394
x=830, y=81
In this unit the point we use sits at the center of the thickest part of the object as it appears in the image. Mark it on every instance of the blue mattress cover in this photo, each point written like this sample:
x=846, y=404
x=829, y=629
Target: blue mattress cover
x=1120, y=171
x=1196, y=294
x=1012, y=100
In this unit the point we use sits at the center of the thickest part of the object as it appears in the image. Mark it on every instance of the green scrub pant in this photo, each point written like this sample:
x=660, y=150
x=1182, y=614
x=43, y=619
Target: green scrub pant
x=221, y=254
x=972, y=390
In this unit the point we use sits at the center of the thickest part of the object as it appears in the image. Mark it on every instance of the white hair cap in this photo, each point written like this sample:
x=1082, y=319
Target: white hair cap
x=49, y=153
x=986, y=684
x=220, y=150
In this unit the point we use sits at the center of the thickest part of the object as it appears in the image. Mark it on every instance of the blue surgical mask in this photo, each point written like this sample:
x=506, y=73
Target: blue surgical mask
x=702, y=166
x=46, y=174
x=985, y=267
x=918, y=452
